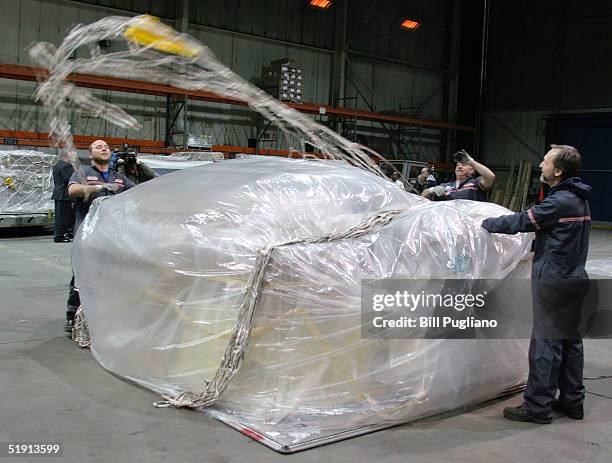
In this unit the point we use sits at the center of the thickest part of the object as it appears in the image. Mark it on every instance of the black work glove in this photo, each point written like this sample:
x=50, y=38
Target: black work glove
x=486, y=224
x=463, y=157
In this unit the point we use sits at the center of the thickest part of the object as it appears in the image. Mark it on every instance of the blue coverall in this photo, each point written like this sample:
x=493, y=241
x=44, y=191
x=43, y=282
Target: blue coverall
x=561, y=222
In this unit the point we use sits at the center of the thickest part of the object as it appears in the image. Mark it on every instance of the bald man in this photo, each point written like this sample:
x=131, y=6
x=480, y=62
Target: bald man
x=99, y=181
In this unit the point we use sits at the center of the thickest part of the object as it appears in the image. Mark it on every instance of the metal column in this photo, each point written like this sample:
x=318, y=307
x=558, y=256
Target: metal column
x=177, y=123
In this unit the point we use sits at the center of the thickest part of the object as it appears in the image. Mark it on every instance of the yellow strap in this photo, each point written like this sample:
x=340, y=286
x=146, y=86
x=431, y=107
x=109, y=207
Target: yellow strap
x=148, y=31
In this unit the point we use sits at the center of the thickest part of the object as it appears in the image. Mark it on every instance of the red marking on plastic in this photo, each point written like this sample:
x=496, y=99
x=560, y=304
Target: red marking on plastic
x=251, y=434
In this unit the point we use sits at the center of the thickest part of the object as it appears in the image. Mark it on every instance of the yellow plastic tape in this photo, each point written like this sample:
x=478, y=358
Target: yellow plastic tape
x=148, y=30
x=8, y=181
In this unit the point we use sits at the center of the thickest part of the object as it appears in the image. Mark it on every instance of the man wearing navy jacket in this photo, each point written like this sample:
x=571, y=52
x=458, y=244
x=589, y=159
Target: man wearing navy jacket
x=64, y=204
x=561, y=222
x=98, y=180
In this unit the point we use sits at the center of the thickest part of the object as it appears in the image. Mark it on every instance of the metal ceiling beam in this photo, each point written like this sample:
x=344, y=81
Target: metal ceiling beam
x=401, y=62
x=339, y=58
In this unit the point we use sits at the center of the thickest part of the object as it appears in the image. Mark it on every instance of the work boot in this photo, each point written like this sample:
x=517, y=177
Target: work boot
x=520, y=414
x=575, y=412
x=69, y=326
x=62, y=240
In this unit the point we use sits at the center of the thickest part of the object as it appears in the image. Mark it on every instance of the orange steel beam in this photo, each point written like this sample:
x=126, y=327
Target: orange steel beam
x=146, y=146
x=313, y=108
x=80, y=138
x=15, y=71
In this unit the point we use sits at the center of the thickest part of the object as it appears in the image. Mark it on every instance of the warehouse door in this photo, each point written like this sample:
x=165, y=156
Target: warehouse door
x=592, y=135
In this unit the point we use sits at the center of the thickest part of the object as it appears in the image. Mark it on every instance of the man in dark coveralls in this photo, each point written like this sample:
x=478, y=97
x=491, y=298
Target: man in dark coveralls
x=99, y=181
x=561, y=223
x=64, y=204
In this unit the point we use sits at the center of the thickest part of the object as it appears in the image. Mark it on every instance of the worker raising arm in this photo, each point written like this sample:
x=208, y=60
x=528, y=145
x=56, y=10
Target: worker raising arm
x=467, y=184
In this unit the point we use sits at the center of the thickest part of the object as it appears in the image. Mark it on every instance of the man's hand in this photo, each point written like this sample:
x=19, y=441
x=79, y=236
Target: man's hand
x=111, y=187
x=463, y=157
x=437, y=190
x=120, y=161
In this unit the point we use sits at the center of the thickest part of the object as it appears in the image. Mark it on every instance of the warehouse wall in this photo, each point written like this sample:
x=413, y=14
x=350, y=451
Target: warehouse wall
x=545, y=57
x=24, y=22
x=253, y=35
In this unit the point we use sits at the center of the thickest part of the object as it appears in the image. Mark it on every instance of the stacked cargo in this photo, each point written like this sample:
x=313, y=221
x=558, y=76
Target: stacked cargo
x=26, y=184
x=26, y=181
x=283, y=80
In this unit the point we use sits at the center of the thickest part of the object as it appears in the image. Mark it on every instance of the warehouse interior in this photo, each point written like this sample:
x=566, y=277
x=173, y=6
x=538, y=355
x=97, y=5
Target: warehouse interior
x=414, y=81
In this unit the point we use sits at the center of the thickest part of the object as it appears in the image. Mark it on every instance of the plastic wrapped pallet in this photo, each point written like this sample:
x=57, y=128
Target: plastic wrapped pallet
x=26, y=182
x=163, y=271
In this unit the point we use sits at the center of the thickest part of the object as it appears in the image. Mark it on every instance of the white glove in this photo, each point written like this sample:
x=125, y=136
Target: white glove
x=111, y=187
x=437, y=190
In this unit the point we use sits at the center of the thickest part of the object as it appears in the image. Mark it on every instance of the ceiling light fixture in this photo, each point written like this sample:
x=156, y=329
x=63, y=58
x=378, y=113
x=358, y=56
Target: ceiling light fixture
x=410, y=24
x=320, y=4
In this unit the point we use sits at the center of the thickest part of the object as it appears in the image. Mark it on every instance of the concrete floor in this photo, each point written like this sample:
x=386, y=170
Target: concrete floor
x=52, y=391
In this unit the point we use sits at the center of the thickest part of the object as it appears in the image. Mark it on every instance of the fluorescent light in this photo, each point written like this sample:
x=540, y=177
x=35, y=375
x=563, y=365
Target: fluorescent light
x=410, y=24
x=320, y=4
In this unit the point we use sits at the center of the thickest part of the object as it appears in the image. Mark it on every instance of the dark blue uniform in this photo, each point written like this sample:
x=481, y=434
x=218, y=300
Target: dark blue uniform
x=561, y=223
x=468, y=189
x=64, y=204
x=93, y=176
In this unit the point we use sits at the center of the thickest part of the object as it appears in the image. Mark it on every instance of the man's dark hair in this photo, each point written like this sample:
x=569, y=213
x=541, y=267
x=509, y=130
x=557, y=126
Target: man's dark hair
x=568, y=160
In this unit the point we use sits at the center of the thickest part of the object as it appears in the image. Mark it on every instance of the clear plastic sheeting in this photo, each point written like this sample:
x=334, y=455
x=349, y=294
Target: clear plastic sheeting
x=192, y=156
x=164, y=271
x=164, y=164
x=236, y=285
x=599, y=268
x=157, y=53
x=26, y=182
x=189, y=156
